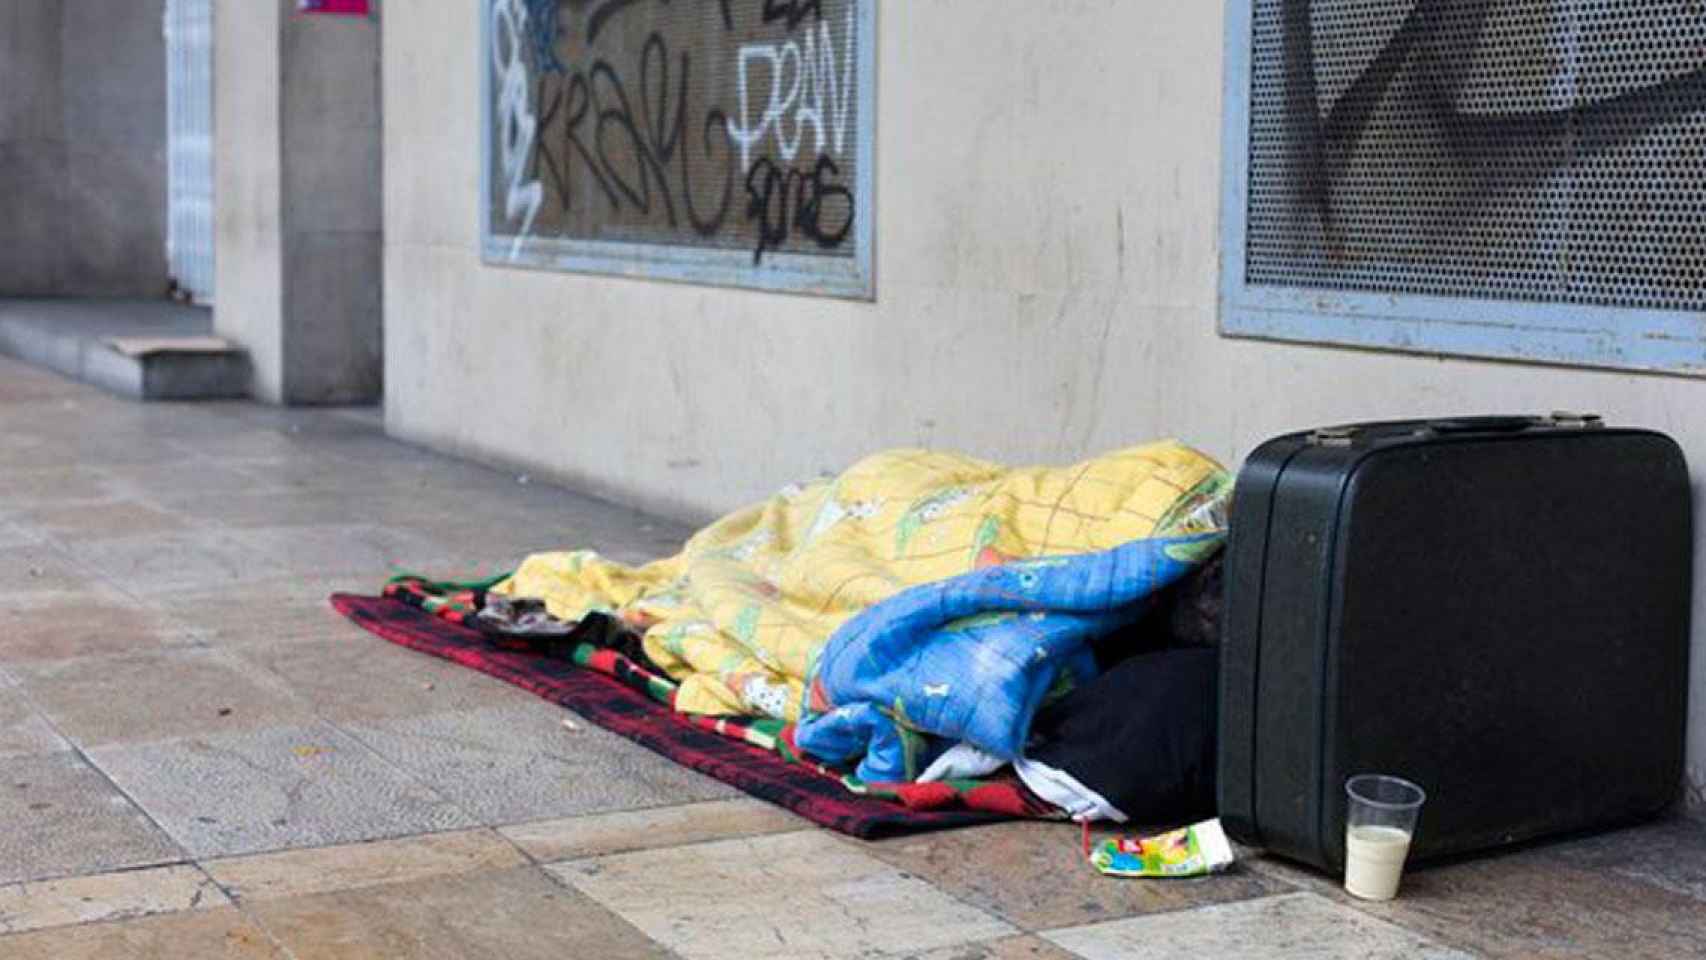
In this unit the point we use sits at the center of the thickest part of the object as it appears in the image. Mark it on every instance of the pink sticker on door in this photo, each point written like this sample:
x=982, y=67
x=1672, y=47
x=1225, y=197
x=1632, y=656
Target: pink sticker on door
x=339, y=8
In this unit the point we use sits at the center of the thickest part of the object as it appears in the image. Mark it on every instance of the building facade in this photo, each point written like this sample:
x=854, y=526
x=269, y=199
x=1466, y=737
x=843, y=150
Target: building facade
x=1047, y=201
x=1044, y=186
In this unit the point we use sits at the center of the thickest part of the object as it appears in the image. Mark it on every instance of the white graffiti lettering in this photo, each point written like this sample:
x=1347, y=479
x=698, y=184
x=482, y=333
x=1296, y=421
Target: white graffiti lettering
x=816, y=94
x=518, y=125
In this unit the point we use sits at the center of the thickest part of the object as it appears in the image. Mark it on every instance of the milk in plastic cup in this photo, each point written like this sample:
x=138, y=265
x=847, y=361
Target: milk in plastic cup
x=1379, y=823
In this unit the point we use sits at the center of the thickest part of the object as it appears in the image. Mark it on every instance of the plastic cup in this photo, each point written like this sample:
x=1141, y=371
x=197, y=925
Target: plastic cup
x=1378, y=827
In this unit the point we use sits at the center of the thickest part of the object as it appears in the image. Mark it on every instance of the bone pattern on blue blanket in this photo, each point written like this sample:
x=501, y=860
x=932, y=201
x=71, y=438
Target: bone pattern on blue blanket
x=971, y=658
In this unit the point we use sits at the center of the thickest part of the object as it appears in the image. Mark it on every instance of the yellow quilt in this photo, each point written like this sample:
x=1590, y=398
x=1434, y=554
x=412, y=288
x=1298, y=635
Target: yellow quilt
x=737, y=617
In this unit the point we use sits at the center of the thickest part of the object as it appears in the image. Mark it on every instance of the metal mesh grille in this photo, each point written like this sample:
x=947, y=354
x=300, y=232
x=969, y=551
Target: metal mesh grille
x=189, y=145
x=1541, y=150
x=729, y=125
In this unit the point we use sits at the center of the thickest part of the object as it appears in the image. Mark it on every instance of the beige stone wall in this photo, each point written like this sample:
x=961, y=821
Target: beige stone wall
x=82, y=148
x=248, y=268
x=1047, y=205
x=297, y=191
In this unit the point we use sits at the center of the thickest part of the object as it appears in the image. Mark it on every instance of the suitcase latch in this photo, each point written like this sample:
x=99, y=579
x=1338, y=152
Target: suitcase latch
x=1333, y=436
x=1577, y=421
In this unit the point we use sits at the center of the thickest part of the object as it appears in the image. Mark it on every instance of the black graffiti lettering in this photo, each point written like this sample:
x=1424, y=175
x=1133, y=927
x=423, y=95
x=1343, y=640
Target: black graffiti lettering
x=715, y=121
x=770, y=192
x=550, y=100
x=815, y=191
x=664, y=135
x=601, y=15
x=645, y=163
x=578, y=103
x=634, y=152
x=767, y=206
x=630, y=125
x=667, y=133
x=1502, y=144
x=794, y=12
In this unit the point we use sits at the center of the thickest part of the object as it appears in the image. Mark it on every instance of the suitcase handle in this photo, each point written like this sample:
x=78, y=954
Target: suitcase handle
x=1349, y=434
x=1482, y=425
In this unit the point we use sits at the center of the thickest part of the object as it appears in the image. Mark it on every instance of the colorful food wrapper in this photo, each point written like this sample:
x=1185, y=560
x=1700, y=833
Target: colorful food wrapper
x=1193, y=851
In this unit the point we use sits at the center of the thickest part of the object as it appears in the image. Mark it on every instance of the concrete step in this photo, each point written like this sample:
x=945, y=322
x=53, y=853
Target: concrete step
x=147, y=350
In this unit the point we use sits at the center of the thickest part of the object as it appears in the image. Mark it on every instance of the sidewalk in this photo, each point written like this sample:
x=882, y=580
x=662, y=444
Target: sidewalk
x=198, y=758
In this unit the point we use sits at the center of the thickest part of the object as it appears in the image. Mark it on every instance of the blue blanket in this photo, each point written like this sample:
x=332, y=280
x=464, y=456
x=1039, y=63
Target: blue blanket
x=972, y=658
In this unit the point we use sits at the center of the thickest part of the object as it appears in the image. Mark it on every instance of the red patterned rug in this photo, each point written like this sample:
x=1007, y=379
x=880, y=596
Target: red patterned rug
x=623, y=707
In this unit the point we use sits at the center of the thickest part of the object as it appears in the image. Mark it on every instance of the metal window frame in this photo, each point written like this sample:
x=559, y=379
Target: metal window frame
x=187, y=31
x=845, y=277
x=1626, y=338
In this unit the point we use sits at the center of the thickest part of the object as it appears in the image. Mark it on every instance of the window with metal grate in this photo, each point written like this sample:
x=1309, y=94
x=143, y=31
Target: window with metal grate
x=725, y=143
x=1507, y=178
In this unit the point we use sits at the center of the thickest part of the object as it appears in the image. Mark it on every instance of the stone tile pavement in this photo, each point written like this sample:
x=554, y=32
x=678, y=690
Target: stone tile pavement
x=199, y=759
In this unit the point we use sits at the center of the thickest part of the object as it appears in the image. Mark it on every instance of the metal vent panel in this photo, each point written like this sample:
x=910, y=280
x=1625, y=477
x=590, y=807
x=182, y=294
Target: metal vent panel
x=1532, y=165
x=717, y=141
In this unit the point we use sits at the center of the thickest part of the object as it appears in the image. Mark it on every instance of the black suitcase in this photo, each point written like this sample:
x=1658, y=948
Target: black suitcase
x=1493, y=607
